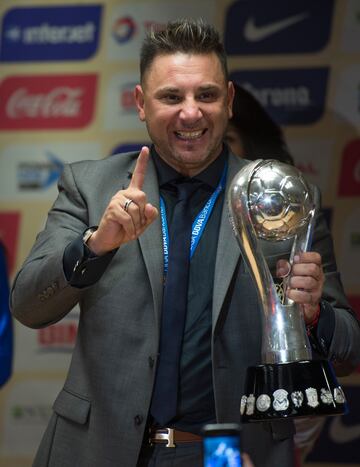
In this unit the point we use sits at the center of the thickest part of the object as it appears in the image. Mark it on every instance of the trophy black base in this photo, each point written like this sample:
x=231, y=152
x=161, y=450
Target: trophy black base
x=298, y=389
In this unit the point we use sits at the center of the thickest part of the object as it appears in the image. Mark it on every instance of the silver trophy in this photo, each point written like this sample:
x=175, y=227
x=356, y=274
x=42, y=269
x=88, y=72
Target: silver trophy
x=271, y=202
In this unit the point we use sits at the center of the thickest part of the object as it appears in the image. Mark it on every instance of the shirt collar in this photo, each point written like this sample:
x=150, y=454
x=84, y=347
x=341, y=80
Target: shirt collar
x=209, y=176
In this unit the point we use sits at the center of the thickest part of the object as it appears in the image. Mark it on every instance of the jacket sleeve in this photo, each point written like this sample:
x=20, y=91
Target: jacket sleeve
x=41, y=293
x=337, y=335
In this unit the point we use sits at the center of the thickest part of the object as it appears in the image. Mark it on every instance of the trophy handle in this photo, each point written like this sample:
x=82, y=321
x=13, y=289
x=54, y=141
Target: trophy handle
x=303, y=240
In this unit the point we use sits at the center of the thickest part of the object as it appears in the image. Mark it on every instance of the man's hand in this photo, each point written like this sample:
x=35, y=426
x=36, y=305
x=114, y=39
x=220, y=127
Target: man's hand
x=246, y=460
x=128, y=213
x=306, y=282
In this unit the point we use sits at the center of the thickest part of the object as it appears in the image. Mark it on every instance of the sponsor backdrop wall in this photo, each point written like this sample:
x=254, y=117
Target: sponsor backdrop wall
x=67, y=71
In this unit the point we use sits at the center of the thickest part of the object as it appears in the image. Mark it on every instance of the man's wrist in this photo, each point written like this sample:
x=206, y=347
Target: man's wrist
x=89, y=240
x=88, y=234
x=314, y=322
x=89, y=250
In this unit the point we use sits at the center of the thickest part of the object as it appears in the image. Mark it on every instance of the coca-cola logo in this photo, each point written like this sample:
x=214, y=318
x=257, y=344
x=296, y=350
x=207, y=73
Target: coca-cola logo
x=38, y=102
x=59, y=102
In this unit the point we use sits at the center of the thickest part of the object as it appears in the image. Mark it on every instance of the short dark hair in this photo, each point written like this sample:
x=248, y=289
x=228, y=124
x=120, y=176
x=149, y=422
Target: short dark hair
x=183, y=35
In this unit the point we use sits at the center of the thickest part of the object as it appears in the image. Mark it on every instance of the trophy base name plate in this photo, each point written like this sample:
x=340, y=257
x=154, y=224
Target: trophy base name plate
x=311, y=390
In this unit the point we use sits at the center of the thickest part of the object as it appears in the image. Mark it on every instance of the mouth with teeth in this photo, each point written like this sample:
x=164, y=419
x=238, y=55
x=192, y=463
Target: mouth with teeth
x=190, y=135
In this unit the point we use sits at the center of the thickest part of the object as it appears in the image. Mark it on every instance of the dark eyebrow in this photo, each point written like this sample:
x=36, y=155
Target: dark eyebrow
x=167, y=89
x=173, y=89
x=209, y=87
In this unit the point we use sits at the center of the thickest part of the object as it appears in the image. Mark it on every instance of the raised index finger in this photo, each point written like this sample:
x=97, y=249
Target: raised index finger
x=138, y=176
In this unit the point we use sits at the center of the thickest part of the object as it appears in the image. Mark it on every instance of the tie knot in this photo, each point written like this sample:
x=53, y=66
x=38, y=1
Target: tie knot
x=185, y=189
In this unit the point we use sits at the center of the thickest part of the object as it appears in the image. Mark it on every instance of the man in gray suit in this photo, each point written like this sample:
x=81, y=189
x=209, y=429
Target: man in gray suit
x=104, y=247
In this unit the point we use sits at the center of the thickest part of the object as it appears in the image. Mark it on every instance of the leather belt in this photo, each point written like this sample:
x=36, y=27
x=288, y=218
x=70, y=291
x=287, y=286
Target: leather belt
x=170, y=437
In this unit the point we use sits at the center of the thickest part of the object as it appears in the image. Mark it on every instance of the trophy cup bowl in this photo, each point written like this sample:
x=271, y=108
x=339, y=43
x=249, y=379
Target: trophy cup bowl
x=270, y=201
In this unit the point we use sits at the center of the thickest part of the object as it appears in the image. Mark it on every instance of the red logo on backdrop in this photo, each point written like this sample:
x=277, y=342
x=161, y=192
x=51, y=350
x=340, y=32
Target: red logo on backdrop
x=9, y=234
x=153, y=25
x=47, y=101
x=349, y=184
x=354, y=301
x=308, y=168
x=59, y=336
x=127, y=98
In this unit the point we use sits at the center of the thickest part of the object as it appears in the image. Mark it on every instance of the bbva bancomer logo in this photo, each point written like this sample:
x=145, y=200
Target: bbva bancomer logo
x=50, y=33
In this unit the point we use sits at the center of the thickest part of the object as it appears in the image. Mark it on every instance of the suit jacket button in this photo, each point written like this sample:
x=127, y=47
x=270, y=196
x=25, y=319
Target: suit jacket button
x=151, y=361
x=138, y=419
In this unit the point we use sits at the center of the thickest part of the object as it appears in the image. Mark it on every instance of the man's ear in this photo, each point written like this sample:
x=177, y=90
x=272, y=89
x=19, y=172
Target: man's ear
x=139, y=99
x=231, y=94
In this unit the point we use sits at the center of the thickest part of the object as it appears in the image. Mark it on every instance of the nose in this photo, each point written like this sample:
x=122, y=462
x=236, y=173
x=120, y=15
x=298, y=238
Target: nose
x=190, y=112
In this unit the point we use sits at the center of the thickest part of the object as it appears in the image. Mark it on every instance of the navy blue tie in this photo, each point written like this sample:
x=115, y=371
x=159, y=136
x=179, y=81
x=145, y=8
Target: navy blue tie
x=164, y=400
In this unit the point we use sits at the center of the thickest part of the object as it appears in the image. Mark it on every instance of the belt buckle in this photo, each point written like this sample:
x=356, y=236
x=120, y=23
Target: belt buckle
x=166, y=434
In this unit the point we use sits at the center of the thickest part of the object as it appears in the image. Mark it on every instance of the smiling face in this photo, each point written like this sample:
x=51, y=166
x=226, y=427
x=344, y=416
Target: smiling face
x=186, y=104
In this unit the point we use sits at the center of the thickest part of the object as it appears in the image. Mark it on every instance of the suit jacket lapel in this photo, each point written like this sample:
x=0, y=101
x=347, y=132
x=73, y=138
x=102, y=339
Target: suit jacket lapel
x=151, y=242
x=228, y=251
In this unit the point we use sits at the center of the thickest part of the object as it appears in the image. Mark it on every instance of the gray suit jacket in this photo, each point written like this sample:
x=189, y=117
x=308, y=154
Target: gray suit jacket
x=100, y=415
